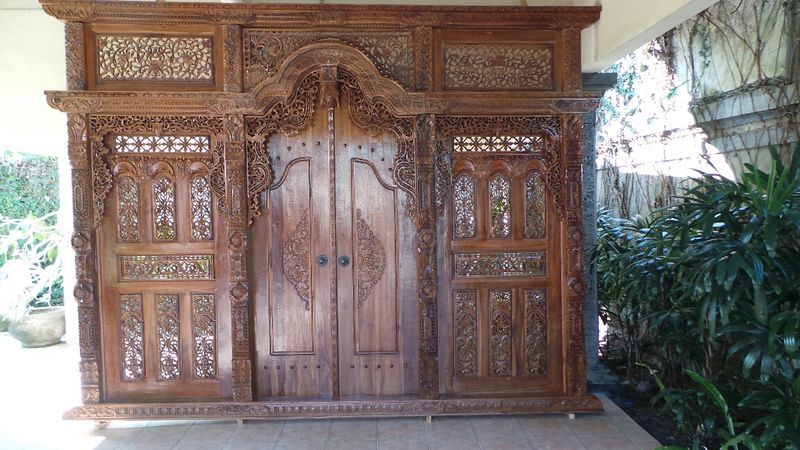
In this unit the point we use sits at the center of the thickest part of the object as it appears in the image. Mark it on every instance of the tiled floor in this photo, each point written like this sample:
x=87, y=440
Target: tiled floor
x=39, y=384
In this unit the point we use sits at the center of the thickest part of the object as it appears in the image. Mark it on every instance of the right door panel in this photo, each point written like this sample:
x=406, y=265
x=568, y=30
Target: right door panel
x=501, y=278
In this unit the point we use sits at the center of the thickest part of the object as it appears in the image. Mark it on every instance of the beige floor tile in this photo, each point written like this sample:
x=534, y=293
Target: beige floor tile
x=400, y=444
x=360, y=429
x=555, y=442
x=351, y=444
x=619, y=442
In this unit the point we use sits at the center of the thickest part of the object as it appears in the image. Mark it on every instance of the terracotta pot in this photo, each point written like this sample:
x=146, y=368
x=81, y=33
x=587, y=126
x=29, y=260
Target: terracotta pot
x=39, y=327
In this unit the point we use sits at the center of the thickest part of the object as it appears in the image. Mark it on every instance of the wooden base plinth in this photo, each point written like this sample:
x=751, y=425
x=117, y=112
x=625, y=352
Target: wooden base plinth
x=333, y=409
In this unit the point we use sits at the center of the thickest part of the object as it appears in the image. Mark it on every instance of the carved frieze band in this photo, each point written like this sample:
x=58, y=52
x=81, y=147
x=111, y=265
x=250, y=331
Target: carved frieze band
x=509, y=264
x=154, y=59
x=390, y=51
x=389, y=407
x=497, y=66
x=166, y=267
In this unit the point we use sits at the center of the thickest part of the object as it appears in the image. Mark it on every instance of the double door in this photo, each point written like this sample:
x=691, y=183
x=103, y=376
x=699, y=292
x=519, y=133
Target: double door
x=333, y=271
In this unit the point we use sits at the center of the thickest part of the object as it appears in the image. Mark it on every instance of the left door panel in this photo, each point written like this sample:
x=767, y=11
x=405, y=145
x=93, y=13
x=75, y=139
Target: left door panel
x=162, y=316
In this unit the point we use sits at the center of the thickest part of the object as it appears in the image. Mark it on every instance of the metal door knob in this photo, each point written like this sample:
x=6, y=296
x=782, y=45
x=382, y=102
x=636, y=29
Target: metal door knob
x=344, y=261
x=322, y=260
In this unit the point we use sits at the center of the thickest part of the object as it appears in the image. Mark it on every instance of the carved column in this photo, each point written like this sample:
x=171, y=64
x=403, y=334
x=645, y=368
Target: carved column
x=236, y=195
x=571, y=45
x=84, y=243
x=572, y=256
x=232, y=57
x=424, y=157
x=83, y=237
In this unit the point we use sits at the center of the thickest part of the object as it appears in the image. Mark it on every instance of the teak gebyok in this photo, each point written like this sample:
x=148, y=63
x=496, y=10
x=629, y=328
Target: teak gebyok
x=266, y=223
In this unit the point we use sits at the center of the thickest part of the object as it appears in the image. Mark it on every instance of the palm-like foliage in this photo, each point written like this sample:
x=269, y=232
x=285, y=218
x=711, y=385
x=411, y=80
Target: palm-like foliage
x=716, y=279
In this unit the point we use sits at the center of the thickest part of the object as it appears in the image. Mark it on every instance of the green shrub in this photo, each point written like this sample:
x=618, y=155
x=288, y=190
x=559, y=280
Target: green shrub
x=28, y=185
x=712, y=285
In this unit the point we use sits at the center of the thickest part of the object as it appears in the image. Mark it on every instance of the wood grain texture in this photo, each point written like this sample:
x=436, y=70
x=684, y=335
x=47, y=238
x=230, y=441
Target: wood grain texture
x=284, y=210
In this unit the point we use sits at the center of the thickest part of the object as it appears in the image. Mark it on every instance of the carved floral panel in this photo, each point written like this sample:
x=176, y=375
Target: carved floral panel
x=497, y=66
x=534, y=206
x=131, y=337
x=391, y=52
x=204, y=335
x=166, y=267
x=168, y=336
x=155, y=59
x=500, y=332
x=371, y=259
x=466, y=332
x=202, y=225
x=464, y=205
x=161, y=144
x=127, y=209
x=499, y=206
x=509, y=264
x=164, y=209
x=297, y=259
x=536, y=331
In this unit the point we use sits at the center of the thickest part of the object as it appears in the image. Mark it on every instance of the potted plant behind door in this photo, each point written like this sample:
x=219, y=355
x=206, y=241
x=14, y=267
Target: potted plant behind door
x=31, y=292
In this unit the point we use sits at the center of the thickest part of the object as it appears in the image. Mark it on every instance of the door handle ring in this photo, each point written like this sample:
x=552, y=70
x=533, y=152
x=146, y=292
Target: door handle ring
x=344, y=261
x=322, y=260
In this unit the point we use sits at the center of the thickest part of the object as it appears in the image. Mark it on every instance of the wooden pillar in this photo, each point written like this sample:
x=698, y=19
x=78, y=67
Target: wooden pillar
x=236, y=196
x=83, y=239
x=424, y=156
x=572, y=245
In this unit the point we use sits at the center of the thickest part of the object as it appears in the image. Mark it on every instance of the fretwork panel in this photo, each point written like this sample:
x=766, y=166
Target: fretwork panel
x=503, y=270
x=162, y=283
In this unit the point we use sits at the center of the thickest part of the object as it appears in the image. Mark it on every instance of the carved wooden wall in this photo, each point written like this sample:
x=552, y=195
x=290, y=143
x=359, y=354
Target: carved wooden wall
x=317, y=210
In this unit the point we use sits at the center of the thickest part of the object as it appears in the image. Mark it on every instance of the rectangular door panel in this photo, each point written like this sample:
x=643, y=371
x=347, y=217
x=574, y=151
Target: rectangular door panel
x=291, y=299
x=374, y=213
x=378, y=341
x=291, y=290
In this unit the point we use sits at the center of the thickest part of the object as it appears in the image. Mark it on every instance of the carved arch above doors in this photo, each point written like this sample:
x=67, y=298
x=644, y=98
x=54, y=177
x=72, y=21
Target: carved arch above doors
x=377, y=104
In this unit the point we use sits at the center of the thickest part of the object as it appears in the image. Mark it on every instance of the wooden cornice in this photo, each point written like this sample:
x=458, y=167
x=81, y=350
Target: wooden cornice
x=219, y=103
x=316, y=15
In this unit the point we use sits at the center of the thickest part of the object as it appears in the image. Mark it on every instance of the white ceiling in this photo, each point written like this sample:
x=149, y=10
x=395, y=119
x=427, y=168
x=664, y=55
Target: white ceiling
x=32, y=54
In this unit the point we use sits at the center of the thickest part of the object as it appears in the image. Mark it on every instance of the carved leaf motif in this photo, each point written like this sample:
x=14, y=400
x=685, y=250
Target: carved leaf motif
x=534, y=206
x=497, y=67
x=202, y=227
x=371, y=114
x=500, y=333
x=204, y=330
x=128, y=210
x=164, y=209
x=466, y=332
x=132, y=337
x=168, y=336
x=145, y=58
x=296, y=260
x=371, y=259
x=391, y=52
x=500, y=206
x=536, y=331
x=464, y=202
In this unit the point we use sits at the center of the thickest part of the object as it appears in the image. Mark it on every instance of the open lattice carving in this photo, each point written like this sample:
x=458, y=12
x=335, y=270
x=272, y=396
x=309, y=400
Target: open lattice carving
x=391, y=52
x=497, y=66
x=161, y=144
x=148, y=58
